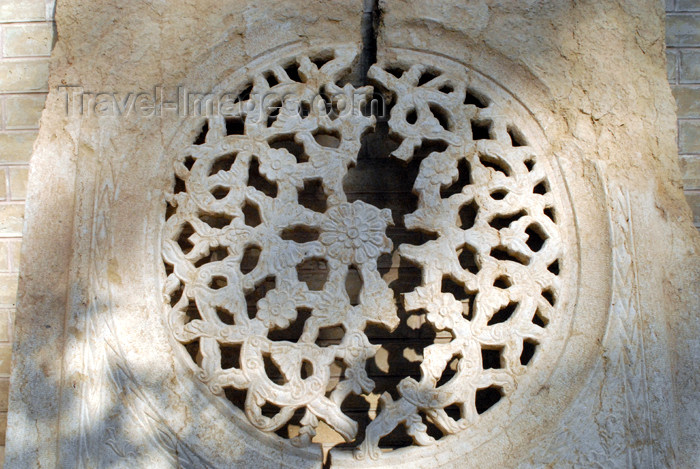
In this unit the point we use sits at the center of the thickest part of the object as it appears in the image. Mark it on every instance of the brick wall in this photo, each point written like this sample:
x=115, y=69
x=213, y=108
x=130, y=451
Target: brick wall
x=683, y=54
x=26, y=35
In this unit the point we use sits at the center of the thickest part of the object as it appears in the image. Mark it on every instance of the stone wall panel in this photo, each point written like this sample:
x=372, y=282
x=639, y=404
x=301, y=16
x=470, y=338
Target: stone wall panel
x=106, y=372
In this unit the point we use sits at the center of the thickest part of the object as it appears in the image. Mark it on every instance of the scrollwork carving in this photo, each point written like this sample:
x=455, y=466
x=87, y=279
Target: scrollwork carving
x=233, y=266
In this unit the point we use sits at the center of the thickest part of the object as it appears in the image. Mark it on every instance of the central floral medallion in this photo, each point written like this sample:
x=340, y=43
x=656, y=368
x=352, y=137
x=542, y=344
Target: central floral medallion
x=355, y=233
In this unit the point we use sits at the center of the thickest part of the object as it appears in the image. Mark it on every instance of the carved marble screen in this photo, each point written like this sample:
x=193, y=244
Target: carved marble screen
x=430, y=250
x=278, y=269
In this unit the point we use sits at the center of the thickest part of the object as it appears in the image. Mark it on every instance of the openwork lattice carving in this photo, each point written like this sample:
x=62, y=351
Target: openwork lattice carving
x=261, y=238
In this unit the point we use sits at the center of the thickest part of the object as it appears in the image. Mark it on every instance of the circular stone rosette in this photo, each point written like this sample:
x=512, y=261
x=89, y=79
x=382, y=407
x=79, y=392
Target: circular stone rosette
x=288, y=351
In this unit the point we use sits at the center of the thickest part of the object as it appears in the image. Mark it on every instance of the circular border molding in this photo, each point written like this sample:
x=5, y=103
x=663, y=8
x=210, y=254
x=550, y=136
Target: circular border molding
x=538, y=395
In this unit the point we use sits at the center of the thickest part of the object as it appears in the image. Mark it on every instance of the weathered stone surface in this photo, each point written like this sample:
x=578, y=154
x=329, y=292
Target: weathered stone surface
x=18, y=183
x=27, y=40
x=19, y=76
x=23, y=112
x=690, y=67
x=11, y=220
x=192, y=285
x=689, y=137
x=16, y=147
x=688, y=98
x=690, y=168
x=683, y=30
x=22, y=10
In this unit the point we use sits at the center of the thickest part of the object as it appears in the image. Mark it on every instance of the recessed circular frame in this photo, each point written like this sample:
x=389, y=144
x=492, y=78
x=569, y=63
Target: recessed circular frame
x=498, y=271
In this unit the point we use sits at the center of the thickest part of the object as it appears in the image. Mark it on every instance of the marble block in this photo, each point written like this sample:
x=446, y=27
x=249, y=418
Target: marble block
x=394, y=234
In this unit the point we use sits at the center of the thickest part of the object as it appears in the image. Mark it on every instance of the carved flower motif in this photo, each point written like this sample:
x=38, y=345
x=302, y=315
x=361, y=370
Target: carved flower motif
x=438, y=169
x=354, y=233
x=278, y=307
x=443, y=310
x=277, y=165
